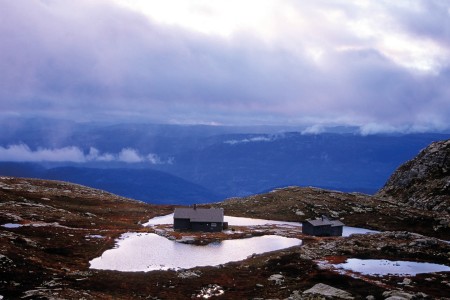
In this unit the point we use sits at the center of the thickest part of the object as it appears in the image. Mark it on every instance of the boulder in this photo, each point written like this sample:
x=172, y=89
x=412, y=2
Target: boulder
x=328, y=291
x=277, y=278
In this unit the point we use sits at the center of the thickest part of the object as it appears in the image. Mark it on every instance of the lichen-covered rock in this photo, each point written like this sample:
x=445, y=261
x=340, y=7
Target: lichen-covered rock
x=423, y=182
x=328, y=291
x=400, y=295
x=278, y=279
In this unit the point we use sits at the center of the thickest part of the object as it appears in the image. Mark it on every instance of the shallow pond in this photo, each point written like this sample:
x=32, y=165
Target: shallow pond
x=148, y=251
x=383, y=267
x=238, y=221
x=12, y=225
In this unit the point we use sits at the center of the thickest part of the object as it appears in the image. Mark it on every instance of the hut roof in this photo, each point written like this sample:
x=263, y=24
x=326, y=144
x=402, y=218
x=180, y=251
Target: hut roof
x=325, y=222
x=199, y=214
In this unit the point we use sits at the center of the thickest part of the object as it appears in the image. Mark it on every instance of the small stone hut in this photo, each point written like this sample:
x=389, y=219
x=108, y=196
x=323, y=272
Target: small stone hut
x=322, y=226
x=199, y=219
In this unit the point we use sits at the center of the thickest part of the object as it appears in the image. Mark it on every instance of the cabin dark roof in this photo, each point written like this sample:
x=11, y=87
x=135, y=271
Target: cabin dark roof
x=325, y=222
x=199, y=214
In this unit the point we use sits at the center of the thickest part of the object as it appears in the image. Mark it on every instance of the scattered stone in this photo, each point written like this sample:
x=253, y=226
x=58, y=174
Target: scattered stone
x=326, y=290
x=212, y=290
x=188, y=274
x=397, y=295
x=187, y=240
x=6, y=262
x=295, y=296
x=406, y=281
x=299, y=213
x=277, y=278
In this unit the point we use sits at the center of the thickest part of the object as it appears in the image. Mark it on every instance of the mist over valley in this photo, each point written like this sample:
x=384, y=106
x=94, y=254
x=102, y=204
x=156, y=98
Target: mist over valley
x=183, y=164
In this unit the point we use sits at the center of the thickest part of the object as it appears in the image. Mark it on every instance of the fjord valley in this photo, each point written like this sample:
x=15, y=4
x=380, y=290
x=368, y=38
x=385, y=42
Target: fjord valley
x=51, y=230
x=179, y=164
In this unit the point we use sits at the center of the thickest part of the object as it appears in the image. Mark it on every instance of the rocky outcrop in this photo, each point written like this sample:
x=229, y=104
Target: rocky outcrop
x=423, y=182
x=297, y=204
x=328, y=291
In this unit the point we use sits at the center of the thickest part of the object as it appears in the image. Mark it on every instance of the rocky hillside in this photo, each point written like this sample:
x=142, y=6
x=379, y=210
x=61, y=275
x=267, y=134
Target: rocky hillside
x=50, y=230
x=423, y=182
x=358, y=210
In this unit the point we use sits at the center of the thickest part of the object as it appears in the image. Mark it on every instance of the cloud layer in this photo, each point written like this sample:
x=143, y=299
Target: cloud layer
x=23, y=153
x=376, y=64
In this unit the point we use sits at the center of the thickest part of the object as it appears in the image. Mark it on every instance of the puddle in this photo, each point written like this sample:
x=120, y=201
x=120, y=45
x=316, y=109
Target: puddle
x=148, y=251
x=381, y=267
x=12, y=225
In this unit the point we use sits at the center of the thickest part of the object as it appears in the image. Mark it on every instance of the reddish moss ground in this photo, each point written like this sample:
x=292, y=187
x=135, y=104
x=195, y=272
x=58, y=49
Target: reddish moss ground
x=52, y=260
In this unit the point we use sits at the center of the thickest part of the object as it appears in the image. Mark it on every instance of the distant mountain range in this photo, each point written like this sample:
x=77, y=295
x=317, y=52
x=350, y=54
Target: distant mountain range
x=147, y=185
x=188, y=164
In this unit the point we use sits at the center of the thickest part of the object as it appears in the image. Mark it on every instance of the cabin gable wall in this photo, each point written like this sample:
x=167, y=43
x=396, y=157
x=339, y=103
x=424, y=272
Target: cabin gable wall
x=181, y=224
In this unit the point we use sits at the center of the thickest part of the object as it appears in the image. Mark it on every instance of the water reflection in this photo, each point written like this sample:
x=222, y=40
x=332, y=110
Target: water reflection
x=384, y=267
x=148, y=251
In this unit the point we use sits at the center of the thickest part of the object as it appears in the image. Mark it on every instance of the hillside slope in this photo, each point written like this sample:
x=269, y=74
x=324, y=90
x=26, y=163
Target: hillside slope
x=354, y=209
x=423, y=182
x=50, y=230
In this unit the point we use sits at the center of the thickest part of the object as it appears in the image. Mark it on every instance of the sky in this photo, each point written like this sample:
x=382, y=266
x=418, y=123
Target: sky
x=381, y=65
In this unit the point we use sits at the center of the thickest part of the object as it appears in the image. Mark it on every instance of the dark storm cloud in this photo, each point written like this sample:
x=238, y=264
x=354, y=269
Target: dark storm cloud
x=91, y=60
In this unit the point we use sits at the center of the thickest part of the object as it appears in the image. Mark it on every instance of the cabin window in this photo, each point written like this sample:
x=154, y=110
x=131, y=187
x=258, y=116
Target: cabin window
x=213, y=224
